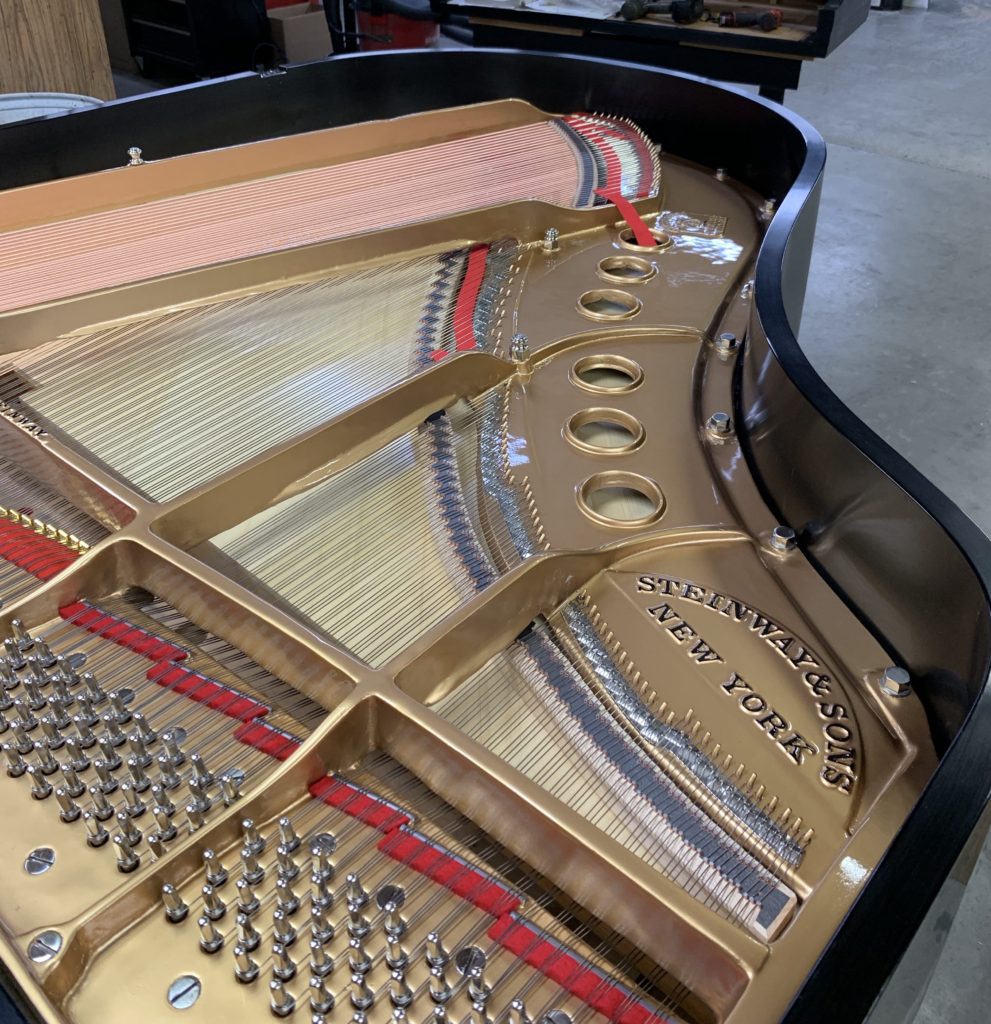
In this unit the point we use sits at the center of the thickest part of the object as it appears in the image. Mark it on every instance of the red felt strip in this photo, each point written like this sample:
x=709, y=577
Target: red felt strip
x=376, y=813
x=40, y=556
x=121, y=632
x=266, y=739
x=439, y=866
x=207, y=691
x=602, y=995
x=464, y=307
x=629, y=213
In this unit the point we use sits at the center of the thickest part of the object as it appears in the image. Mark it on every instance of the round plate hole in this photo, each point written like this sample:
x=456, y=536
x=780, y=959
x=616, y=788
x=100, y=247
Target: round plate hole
x=604, y=431
x=626, y=269
x=662, y=241
x=608, y=304
x=621, y=499
x=606, y=374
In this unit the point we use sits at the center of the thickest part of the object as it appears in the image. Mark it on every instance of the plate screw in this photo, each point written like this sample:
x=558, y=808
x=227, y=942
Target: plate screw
x=184, y=991
x=896, y=682
x=134, y=157
x=39, y=860
x=727, y=342
x=783, y=539
x=551, y=243
x=719, y=426
x=45, y=946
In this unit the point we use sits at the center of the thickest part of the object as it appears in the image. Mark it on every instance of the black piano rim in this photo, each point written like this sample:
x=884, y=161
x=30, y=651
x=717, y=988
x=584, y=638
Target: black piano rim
x=783, y=157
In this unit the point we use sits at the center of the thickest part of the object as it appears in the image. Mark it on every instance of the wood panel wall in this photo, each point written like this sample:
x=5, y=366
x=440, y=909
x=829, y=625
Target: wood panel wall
x=54, y=46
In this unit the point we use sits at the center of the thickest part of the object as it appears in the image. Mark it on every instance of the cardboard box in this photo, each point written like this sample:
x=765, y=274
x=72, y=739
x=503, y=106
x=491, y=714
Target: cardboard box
x=300, y=31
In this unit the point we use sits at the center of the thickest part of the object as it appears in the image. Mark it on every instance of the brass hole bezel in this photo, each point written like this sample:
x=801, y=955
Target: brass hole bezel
x=617, y=417
x=628, y=240
x=631, y=302
x=607, y=361
x=621, y=478
x=607, y=266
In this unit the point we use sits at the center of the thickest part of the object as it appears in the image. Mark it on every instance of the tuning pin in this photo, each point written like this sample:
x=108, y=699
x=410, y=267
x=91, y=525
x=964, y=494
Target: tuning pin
x=321, y=895
x=170, y=778
x=245, y=969
x=43, y=652
x=210, y=939
x=112, y=729
x=437, y=955
x=68, y=808
x=78, y=760
x=161, y=799
x=439, y=1015
x=22, y=638
x=127, y=859
x=286, y=899
x=478, y=991
x=288, y=868
x=109, y=753
x=358, y=958
x=283, y=965
x=321, y=852
x=156, y=843
x=102, y=808
x=139, y=752
x=84, y=711
x=250, y=868
x=66, y=668
x=35, y=698
x=320, y=925
x=285, y=933
x=172, y=748
x=248, y=935
x=230, y=789
x=132, y=801
x=216, y=873
x=400, y=993
x=93, y=689
x=287, y=835
x=118, y=708
x=253, y=839
x=164, y=823
x=247, y=901
x=200, y=771
x=355, y=893
x=214, y=906
x=106, y=781
x=358, y=924
x=195, y=818
x=24, y=715
x=130, y=833
x=201, y=799
x=440, y=990
x=478, y=1014
x=16, y=765
x=46, y=763
x=22, y=741
x=86, y=735
x=321, y=962
x=396, y=958
x=176, y=909
x=145, y=731
x=139, y=780
x=280, y=1001
x=395, y=926
x=40, y=786
x=53, y=738
x=362, y=997
x=57, y=704
x=96, y=834
x=321, y=999
x=13, y=653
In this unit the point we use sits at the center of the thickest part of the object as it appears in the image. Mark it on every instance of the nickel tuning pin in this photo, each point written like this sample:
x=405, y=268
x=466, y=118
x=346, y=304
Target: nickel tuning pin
x=282, y=1003
x=96, y=834
x=287, y=836
x=321, y=998
x=69, y=810
x=283, y=965
x=176, y=909
x=321, y=962
x=247, y=901
x=517, y=1013
x=210, y=939
x=127, y=859
x=253, y=839
x=288, y=868
x=245, y=969
x=230, y=789
x=248, y=935
x=216, y=873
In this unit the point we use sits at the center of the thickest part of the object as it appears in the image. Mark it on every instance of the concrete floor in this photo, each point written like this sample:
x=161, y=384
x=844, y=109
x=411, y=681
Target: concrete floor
x=897, y=306
x=896, y=316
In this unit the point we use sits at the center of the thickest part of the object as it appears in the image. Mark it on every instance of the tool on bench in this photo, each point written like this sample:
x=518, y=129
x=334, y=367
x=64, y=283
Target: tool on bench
x=684, y=12
x=767, y=21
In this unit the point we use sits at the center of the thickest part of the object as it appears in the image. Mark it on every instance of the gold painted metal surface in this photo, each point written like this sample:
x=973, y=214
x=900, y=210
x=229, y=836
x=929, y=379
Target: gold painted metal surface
x=658, y=550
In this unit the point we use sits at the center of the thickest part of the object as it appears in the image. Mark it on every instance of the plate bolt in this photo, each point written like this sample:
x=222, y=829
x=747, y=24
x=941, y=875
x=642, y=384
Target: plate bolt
x=783, y=539
x=184, y=991
x=896, y=682
x=45, y=946
x=39, y=860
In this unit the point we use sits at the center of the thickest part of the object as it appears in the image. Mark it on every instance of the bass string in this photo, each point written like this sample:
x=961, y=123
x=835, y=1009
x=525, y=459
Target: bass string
x=165, y=236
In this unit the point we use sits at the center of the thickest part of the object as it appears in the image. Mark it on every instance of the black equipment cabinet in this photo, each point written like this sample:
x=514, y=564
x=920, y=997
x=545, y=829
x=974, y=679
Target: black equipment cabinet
x=196, y=38
x=905, y=559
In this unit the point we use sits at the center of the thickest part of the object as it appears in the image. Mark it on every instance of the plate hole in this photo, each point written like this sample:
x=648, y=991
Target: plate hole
x=606, y=374
x=604, y=431
x=608, y=304
x=629, y=269
x=621, y=499
x=628, y=240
